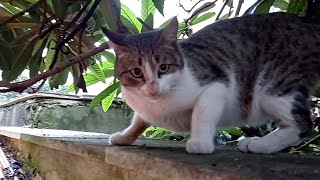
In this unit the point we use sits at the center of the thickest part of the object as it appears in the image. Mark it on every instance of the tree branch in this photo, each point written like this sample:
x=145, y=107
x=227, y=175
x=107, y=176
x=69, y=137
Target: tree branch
x=63, y=41
x=21, y=86
x=21, y=13
x=224, y=5
x=239, y=7
x=188, y=11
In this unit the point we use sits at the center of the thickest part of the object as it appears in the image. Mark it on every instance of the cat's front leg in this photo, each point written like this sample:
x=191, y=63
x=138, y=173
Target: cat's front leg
x=206, y=115
x=132, y=133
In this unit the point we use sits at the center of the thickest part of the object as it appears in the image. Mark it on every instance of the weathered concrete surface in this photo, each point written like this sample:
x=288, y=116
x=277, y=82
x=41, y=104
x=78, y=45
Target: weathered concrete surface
x=62, y=112
x=88, y=156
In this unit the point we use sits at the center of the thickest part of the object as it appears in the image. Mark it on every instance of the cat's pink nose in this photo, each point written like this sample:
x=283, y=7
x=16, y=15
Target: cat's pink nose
x=153, y=89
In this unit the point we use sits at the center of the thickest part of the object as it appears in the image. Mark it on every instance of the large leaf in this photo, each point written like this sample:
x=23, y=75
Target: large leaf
x=96, y=70
x=164, y=24
x=205, y=7
x=159, y=5
x=147, y=9
x=106, y=102
x=109, y=56
x=21, y=62
x=60, y=78
x=107, y=65
x=127, y=14
x=6, y=54
x=202, y=18
x=297, y=6
x=264, y=7
x=148, y=24
x=51, y=50
x=105, y=93
x=110, y=10
x=89, y=79
x=281, y=4
x=36, y=59
x=60, y=8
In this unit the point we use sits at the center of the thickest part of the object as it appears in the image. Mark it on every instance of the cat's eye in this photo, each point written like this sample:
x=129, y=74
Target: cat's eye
x=136, y=72
x=163, y=68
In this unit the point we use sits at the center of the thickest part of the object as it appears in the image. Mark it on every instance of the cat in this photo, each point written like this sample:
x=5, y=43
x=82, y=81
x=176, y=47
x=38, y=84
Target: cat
x=242, y=71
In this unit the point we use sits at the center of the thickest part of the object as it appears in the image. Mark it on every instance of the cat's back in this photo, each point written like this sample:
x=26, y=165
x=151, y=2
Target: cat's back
x=247, y=45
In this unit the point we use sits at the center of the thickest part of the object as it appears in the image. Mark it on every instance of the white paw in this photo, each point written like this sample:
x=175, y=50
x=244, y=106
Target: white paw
x=243, y=145
x=198, y=146
x=120, y=139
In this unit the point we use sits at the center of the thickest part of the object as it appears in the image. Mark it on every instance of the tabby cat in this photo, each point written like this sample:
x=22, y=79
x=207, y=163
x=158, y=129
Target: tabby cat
x=241, y=71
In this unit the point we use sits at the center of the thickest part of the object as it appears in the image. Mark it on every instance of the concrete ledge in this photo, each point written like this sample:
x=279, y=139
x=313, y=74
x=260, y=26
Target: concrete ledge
x=59, y=154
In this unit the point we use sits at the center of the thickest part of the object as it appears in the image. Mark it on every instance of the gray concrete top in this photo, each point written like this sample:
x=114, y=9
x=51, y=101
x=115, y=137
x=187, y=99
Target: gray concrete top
x=48, y=96
x=168, y=160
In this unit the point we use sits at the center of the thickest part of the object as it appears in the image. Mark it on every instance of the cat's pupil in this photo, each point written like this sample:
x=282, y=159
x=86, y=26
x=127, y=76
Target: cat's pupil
x=163, y=68
x=136, y=72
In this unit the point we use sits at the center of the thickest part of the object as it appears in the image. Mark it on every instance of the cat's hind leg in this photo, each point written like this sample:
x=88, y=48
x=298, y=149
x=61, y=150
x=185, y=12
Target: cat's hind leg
x=295, y=124
x=130, y=134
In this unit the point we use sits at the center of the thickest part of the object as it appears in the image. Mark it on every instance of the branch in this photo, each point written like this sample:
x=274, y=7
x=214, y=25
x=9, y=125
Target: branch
x=224, y=5
x=188, y=11
x=21, y=13
x=45, y=19
x=21, y=86
x=307, y=143
x=62, y=42
x=75, y=19
x=239, y=7
x=196, y=13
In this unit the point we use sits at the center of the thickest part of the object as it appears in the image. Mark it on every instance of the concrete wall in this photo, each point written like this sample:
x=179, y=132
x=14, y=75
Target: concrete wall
x=62, y=112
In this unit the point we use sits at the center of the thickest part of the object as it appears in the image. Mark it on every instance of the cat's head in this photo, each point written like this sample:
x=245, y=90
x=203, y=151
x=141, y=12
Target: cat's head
x=148, y=64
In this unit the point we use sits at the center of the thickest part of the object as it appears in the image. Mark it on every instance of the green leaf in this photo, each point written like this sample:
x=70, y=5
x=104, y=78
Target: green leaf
x=60, y=78
x=205, y=7
x=105, y=93
x=163, y=25
x=226, y=16
x=11, y=8
x=110, y=10
x=75, y=71
x=109, y=56
x=106, y=102
x=108, y=73
x=36, y=59
x=281, y=4
x=96, y=70
x=151, y=128
x=202, y=18
x=264, y=7
x=159, y=5
x=6, y=54
x=22, y=61
x=89, y=79
x=127, y=14
x=147, y=8
x=297, y=6
x=35, y=16
x=51, y=50
x=60, y=8
x=129, y=25
x=148, y=24
x=107, y=65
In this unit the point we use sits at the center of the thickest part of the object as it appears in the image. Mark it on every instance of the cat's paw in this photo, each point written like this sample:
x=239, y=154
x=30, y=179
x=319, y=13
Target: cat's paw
x=199, y=146
x=243, y=145
x=120, y=139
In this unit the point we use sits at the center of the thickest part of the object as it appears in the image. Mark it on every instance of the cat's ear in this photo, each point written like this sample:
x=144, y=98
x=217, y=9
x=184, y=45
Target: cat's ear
x=169, y=33
x=116, y=40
